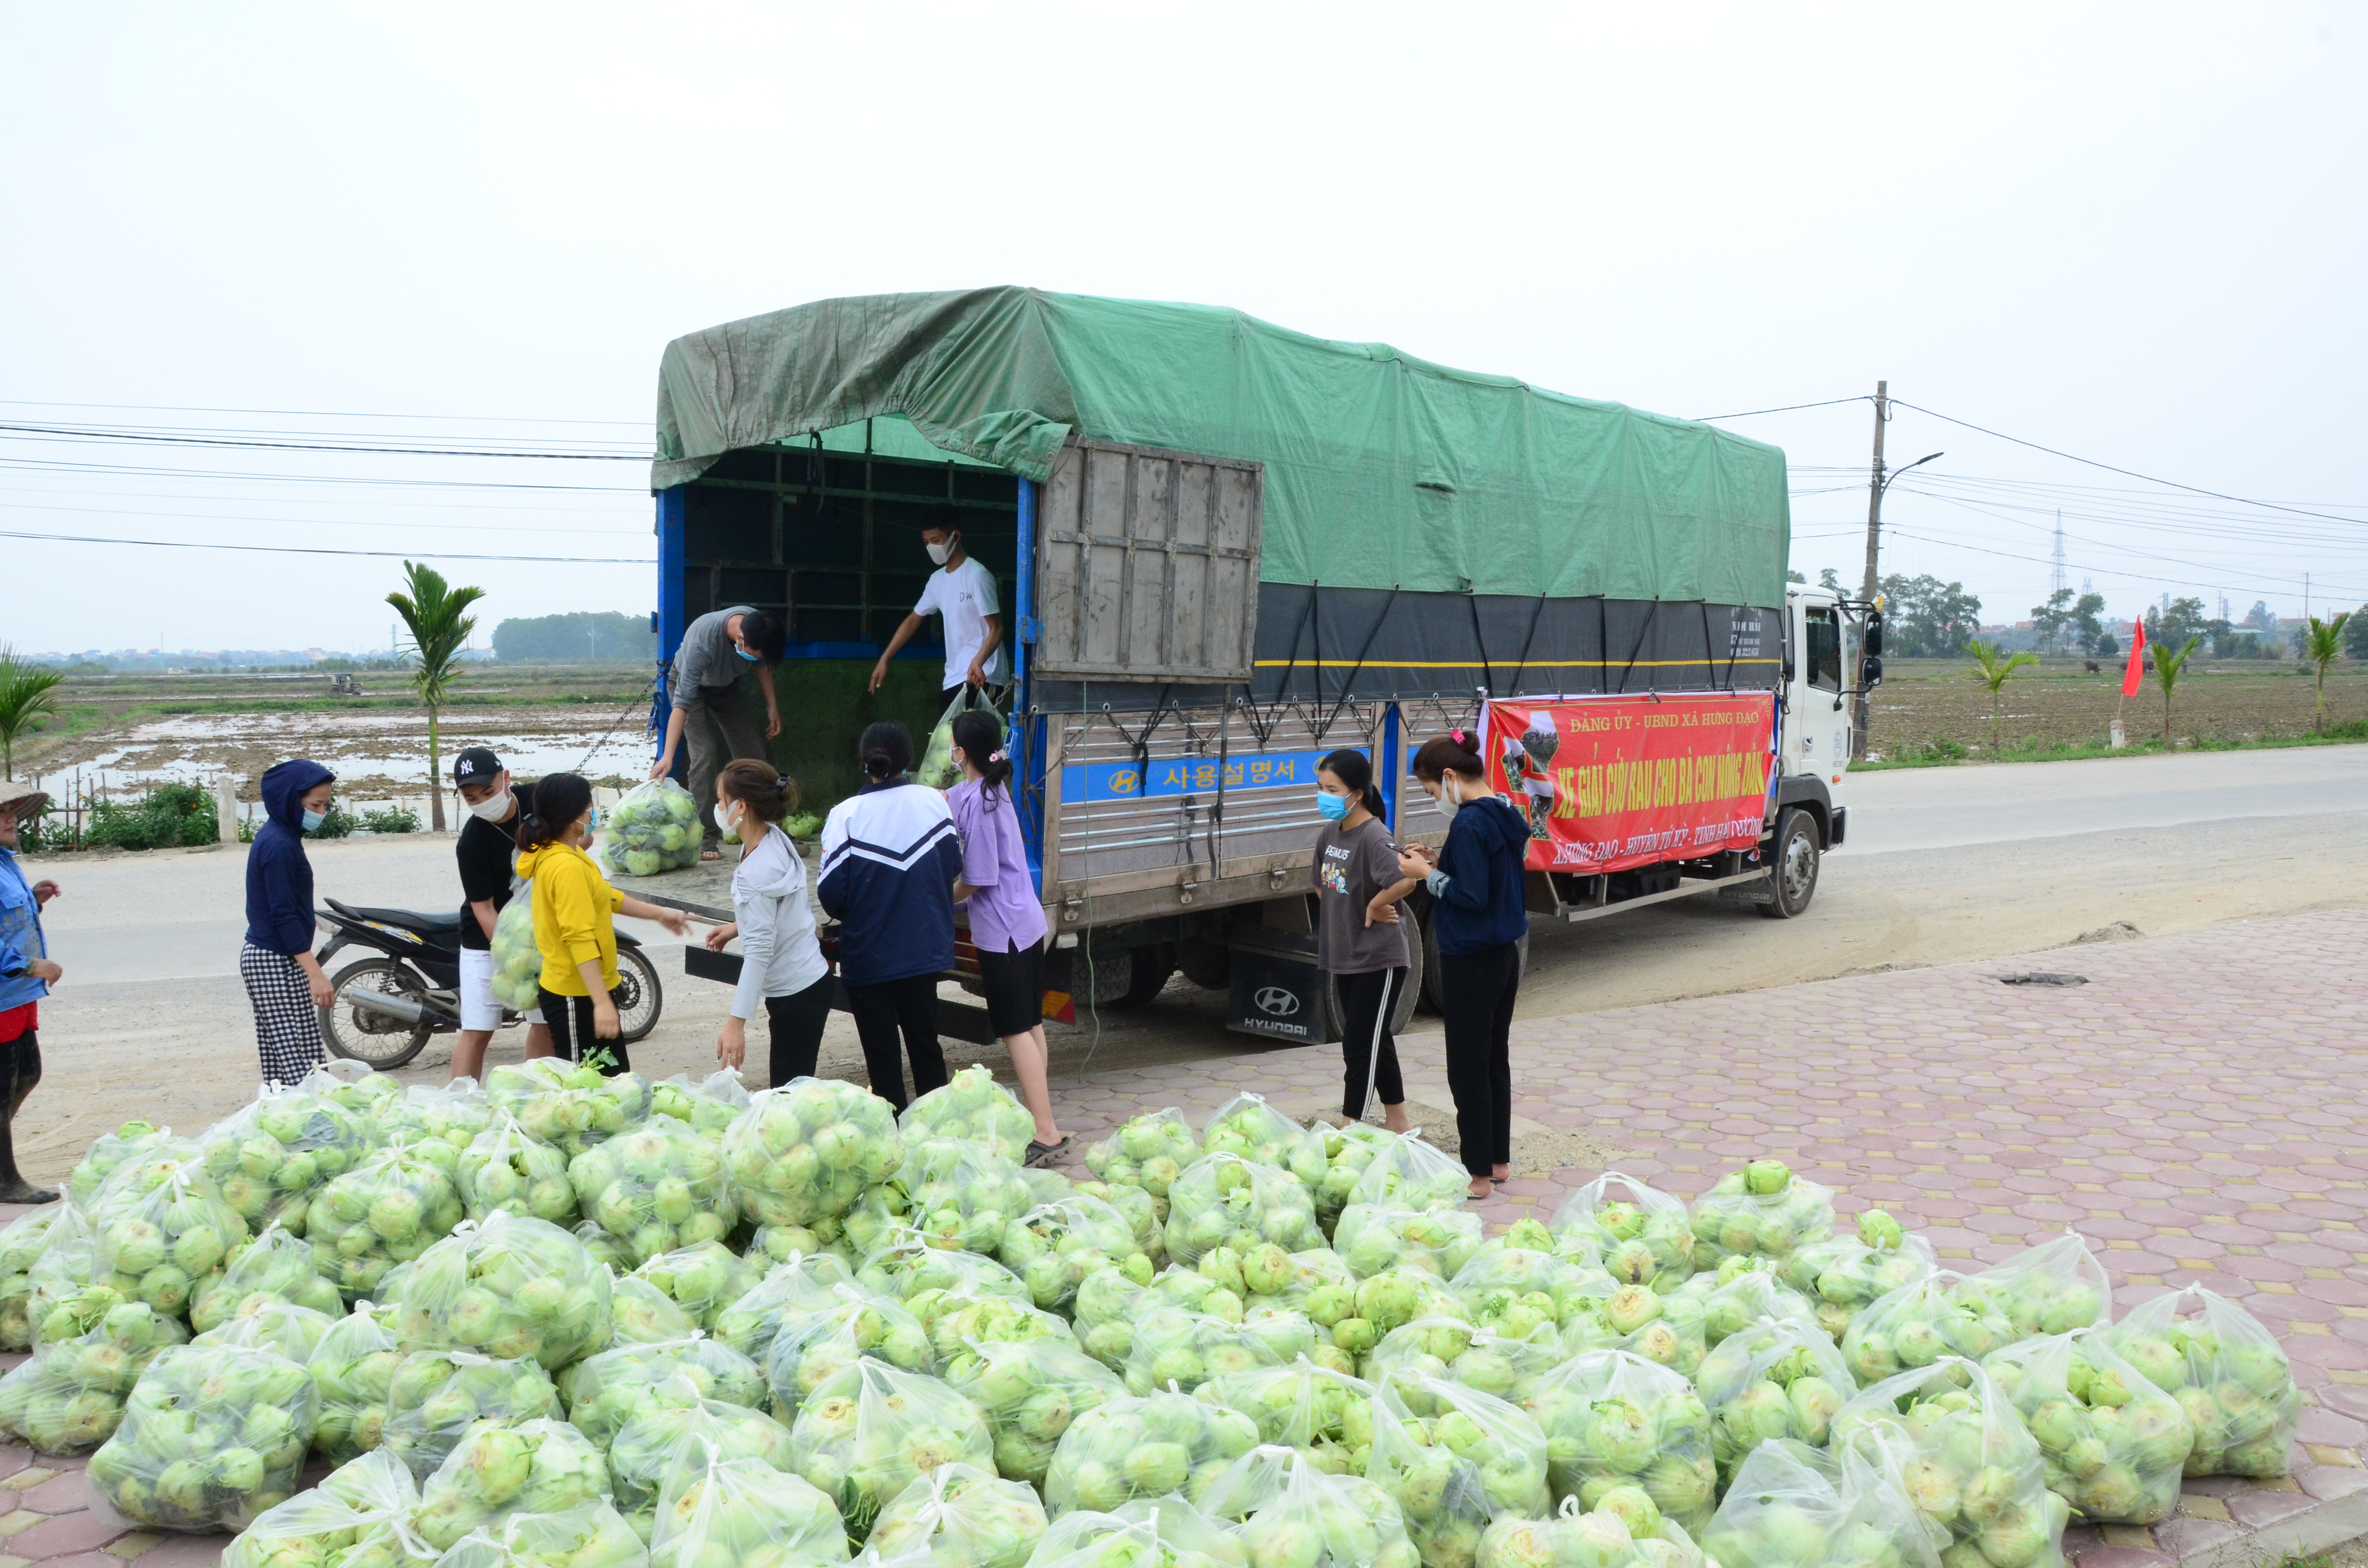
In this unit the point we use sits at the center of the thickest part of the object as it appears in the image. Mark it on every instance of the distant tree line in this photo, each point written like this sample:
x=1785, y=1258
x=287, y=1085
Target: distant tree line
x=601, y=637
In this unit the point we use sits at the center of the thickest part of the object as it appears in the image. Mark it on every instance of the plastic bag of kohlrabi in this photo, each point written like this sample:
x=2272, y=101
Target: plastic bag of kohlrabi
x=535, y=1467
x=1408, y=1173
x=352, y=1369
x=275, y=1267
x=1054, y=1247
x=435, y=1395
x=1843, y=1275
x=1325, y=1415
x=1943, y=1313
x=1515, y=1290
x=1613, y=1419
x=2053, y=1288
x=391, y=1207
x=163, y=1244
x=1286, y=1510
x=730, y=1511
x=2231, y=1380
x=749, y=1323
x=1032, y=1392
x=709, y=1106
x=955, y=1192
x=1372, y=1237
x=451, y=1113
x=273, y=1154
x=595, y=1536
x=1512, y=1368
x=504, y=1170
x=865, y=1434
x=703, y=1278
x=1149, y=1150
x=602, y=1392
x=904, y=1266
x=813, y=1346
x=673, y=1427
x=1146, y=1216
x=2113, y=1444
x=961, y=1514
x=359, y=1516
x=362, y=1091
x=1224, y=1199
x=1249, y=1129
x=1166, y=1531
x=1762, y=1209
x=1773, y=1379
x=660, y=1186
x=571, y=1108
x=109, y=1151
x=510, y=1287
x=1667, y=1329
x=1642, y=1238
x=973, y=1107
x=1733, y=1305
x=212, y=1437
x=1796, y=1507
x=1453, y=1472
x=1975, y=1471
x=1144, y=1446
x=1327, y=1160
x=1295, y=1281
x=69, y=1398
x=1184, y=1349
x=518, y=962
x=653, y=827
x=21, y=1244
x=290, y=1331
x=1627, y=1531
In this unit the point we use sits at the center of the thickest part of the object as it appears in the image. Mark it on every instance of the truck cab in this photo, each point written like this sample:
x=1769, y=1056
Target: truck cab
x=1827, y=637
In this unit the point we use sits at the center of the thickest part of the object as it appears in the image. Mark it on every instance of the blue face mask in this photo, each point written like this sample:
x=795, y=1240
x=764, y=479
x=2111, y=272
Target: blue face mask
x=313, y=820
x=592, y=819
x=743, y=653
x=1331, y=807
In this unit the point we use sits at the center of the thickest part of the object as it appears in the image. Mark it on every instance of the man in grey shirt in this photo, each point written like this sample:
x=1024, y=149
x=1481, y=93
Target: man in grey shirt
x=703, y=686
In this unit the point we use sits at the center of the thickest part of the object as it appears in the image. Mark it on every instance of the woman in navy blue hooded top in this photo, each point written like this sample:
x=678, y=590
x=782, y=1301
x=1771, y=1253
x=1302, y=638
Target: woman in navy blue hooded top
x=283, y=979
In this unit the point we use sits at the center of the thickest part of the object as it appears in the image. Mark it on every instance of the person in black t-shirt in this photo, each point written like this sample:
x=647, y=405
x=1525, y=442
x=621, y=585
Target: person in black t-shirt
x=488, y=852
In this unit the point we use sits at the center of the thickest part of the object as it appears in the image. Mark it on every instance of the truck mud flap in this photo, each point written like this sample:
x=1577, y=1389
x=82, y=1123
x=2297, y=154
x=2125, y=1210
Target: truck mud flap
x=1283, y=997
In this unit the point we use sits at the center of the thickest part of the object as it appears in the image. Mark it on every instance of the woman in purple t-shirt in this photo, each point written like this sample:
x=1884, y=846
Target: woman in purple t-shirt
x=1006, y=923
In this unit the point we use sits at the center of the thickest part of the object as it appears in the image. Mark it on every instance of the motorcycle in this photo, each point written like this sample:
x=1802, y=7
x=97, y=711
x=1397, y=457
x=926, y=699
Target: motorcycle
x=386, y=1008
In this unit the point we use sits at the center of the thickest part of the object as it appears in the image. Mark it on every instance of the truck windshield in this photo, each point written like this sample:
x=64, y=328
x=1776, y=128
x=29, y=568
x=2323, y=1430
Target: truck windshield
x=1825, y=648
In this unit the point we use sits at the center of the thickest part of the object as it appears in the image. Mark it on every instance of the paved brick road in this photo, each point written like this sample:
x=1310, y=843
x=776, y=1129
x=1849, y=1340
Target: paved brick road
x=2196, y=1109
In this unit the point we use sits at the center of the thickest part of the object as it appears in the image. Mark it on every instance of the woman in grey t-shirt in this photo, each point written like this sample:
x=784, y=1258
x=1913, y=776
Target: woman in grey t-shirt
x=1359, y=940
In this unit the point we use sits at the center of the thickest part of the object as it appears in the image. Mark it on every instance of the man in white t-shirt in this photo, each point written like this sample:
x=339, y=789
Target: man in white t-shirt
x=964, y=594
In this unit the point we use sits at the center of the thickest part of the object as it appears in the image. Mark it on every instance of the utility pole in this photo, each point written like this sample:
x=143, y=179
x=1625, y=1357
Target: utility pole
x=1874, y=488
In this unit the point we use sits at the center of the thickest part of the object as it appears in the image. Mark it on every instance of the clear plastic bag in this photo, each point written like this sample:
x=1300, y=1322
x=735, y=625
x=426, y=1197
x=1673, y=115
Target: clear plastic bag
x=1762, y=1209
x=274, y=1267
x=955, y=1193
x=644, y=1314
x=963, y=1517
x=595, y=1536
x=1390, y=1300
x=955, y=1319
x=161, y=1244
x=1943, y=1313
x=613, y=1253
x=1480, y=1358
x=865, y=1434
x=1144, y=1446
x=1103, y=1315
x=21, y=1244
x=1223, y=1199
x=110, y=1151
x=702, y=1278
x=602, y=1392
x=658, y=1185
x=211, y=1438
x=1248, y=1129
x=1162, y=1532
x=357, y=1517
x=361, y=1091
x=510, y=1287
x=1174, y=1347
x=1773, y=1379
x=389, y=1209
x=518, y=962
x=708, y=1105
x=973, y=1107
x=673, y=1427
x=770, y=1244
x=273, y=1154
x=1326, y=1415
x=1146, y=1216
x=1054, y=1247
x=1372, y=1237
x=534, y=1467
x=452, y=1114
x=62, y=1301
x=733, y=1511
x=749, y=1323
x=1975, y=1472
x=353, y=1369
x=1514, y=1289
x=290, y=1331
x=813, y=1346
x=1406, y=1172
x=1843, y=1277
x=435, y=1395
x=1316, y=1281
x=653, y=827
x=1753, y=1294
x=2053, y=1288
x=69, y=1398
x=1457, y=1464
x=1328, y=1160
x=1613, y=1419
x=1627, y=1531
x=1644, y=1238
x=1289, y=1511
x=570, y=1108
x=1149, y=1150
x=1794, y=1506
x=2113, y=1443
x=505, y=1170
x=804, y=1150
x=1667, y=1329
x=938, y=768
x=1030, y=1391
x=2225, y=1370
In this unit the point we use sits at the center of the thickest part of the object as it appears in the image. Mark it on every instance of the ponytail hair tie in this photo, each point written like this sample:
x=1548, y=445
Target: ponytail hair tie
x=1460, y=738
x=995, y=757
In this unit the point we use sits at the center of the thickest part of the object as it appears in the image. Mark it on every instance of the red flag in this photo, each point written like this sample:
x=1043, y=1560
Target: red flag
x=2130, y=676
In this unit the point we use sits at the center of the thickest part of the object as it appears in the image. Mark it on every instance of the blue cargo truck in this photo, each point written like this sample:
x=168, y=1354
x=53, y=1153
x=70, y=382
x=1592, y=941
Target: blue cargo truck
x=1223, y=550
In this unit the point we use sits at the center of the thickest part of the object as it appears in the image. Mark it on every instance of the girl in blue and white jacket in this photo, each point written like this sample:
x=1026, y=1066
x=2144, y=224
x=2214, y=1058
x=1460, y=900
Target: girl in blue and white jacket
x=890, y=855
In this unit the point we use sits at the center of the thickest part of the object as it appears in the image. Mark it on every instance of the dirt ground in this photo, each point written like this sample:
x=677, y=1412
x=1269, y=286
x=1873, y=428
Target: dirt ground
x=2058, y=700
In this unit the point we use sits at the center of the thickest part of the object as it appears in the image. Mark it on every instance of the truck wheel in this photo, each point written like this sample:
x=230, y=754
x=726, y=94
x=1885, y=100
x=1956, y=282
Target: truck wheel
x=1419, y=944
x=1207, y=964
x=1428, y=991
x=1793, y=870
x=1151, y=968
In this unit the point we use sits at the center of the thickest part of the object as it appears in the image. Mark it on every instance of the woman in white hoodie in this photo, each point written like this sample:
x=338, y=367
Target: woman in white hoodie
x=781, y=967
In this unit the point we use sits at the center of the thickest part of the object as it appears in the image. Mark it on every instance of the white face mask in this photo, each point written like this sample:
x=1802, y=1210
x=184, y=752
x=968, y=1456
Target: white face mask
x=494, y=808
x=1450, y=798
x=938, y=552
x=731, y=815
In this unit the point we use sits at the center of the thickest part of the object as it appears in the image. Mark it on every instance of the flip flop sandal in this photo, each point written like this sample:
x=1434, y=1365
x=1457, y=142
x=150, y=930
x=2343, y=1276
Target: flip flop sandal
x=1040, y=1155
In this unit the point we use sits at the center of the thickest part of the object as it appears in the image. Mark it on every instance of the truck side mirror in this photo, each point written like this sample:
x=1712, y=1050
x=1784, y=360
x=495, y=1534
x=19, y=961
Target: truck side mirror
x=1871, y=670
x=1870, y=637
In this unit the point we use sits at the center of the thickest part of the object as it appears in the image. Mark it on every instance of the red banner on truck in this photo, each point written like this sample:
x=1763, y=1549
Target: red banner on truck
x=1612, y=782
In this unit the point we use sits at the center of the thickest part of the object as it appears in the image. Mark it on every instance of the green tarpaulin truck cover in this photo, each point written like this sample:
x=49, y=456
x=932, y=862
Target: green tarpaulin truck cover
x=1382, y=470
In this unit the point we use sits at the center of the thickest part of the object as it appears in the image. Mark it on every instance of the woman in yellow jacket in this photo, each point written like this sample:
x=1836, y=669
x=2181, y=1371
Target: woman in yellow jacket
x=574, y=923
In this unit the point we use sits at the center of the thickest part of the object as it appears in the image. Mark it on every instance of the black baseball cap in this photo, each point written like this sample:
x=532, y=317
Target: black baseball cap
x=475, y=764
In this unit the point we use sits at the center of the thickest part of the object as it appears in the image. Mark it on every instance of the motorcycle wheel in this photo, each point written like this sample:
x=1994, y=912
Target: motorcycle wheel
x=366, y=1036
x=639, y=996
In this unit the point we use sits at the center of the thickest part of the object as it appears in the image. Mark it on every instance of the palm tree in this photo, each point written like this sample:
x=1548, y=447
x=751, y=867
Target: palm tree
x=2320, y=645
x=1992, y=671
x=439, y=631
x=24, y=696
x=2166, y=666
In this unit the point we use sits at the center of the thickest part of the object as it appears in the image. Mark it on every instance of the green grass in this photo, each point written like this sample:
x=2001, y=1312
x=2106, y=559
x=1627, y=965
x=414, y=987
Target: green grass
x=1949, y=754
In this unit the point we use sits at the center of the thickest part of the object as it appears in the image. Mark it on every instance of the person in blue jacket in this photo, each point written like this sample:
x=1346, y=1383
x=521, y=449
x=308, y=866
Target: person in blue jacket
x=1479, y=915
x=283, y=979
x=27, y=972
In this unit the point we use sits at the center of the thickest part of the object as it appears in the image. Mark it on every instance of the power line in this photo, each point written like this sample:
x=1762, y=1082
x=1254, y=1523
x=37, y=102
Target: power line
x=322, y=550
x=44, y=465
x=318, y=412
x=314, y=522
x=1788, y=408
x=64, y=433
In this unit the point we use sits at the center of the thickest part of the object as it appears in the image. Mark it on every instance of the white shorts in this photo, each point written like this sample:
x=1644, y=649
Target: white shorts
x=478, y=1009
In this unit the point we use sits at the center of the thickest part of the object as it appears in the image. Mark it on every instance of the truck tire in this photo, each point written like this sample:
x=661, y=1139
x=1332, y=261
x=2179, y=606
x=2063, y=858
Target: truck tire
x=1426, y=987
x=1418, y=945
x=1148, y=974
x=1207, y=964
x=1793, y=865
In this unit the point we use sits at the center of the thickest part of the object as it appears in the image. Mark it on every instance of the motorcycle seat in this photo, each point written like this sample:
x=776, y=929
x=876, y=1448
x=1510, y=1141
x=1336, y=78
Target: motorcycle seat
x=406, y=919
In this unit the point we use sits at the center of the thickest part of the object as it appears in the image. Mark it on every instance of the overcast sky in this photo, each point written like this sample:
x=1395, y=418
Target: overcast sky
x=2129, y=232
